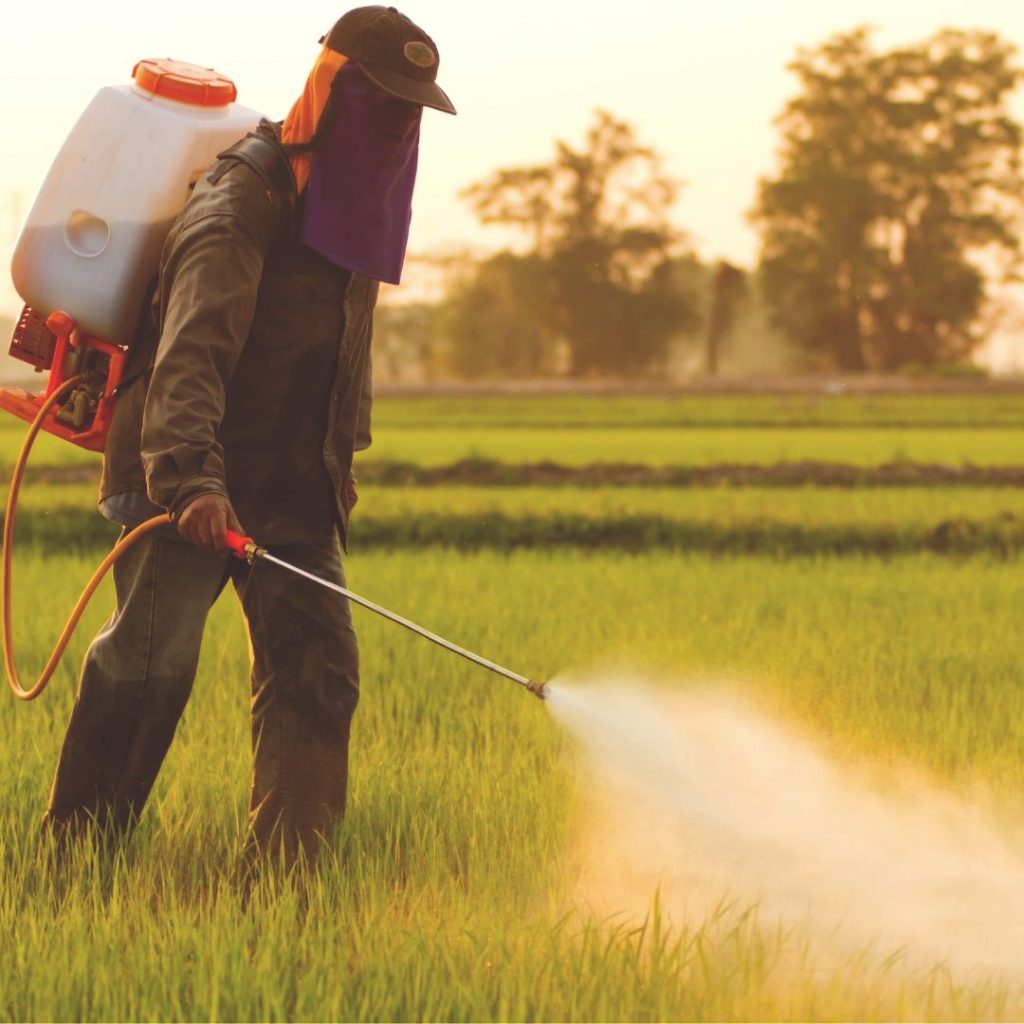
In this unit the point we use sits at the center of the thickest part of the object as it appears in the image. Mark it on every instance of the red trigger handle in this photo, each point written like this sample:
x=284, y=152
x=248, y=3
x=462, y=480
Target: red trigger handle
x=238, y=544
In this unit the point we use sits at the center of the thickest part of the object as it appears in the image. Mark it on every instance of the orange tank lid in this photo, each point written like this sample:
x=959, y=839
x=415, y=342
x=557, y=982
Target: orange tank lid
x=185, y=83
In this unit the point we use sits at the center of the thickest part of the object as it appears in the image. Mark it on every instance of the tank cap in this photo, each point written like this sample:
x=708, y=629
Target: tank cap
x=185, y=83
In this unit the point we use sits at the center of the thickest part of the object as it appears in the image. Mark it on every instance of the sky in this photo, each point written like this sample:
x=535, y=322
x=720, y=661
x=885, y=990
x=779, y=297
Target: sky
x=700, y=82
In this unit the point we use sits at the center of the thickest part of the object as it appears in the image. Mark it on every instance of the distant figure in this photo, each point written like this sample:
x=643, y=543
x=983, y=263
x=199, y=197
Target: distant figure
x=728, y=286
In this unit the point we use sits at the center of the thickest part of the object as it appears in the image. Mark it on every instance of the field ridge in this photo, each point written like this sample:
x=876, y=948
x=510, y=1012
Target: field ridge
x=496, y=473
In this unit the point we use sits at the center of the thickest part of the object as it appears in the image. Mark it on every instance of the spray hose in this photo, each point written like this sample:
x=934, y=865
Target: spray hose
x=122, y=545
x=239, y=545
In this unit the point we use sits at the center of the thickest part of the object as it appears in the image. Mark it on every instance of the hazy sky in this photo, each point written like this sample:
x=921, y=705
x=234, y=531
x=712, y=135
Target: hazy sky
x=701, y=83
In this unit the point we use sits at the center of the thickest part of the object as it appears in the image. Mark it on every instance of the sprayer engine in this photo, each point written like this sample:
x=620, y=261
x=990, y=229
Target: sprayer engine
x=56, y=345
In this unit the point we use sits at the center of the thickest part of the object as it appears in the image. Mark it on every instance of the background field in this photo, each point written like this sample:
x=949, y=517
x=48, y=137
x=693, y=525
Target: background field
x=453, y=891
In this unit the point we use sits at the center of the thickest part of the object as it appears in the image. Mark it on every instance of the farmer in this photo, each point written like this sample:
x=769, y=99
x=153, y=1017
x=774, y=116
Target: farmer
x=248, y=393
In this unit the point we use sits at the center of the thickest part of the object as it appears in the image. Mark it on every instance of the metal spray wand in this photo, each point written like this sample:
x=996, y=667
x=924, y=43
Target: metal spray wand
x=247, y=548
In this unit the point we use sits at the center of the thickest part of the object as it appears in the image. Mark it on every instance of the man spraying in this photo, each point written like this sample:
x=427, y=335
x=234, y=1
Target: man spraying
x=249, y=392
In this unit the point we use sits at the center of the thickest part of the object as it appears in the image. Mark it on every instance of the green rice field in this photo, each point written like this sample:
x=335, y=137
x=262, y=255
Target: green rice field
x=862, y=430
x=464, y=882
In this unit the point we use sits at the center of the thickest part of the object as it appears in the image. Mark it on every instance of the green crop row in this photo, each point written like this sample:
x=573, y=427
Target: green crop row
x=71, y=529
x=1003, y=535
x=722, y=410
x=432, y=445
x=439, y=446
x=992, y=408
x=808, y=505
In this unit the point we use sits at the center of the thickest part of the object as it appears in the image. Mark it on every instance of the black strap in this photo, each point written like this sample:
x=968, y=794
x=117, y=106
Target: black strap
x=261, y=151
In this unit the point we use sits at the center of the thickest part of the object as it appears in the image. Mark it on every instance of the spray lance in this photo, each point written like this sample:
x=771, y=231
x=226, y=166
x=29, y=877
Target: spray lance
x=247, y=548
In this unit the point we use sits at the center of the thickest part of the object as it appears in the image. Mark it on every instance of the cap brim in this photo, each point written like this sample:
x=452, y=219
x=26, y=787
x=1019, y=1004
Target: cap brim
x=428, y=94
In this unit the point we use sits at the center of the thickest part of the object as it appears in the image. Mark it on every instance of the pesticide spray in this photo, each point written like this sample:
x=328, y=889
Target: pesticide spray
x=707, y=800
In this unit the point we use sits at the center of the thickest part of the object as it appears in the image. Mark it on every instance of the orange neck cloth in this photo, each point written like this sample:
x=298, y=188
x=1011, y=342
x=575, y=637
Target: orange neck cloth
x=302, y=119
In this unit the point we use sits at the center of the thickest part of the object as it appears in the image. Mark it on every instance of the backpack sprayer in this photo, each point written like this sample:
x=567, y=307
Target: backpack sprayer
x=91, y=243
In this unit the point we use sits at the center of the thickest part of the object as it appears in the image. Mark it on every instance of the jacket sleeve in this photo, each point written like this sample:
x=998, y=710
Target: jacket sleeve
x=209, y=279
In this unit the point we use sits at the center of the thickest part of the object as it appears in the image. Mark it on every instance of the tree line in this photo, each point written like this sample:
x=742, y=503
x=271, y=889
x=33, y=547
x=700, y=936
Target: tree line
x=897, y=204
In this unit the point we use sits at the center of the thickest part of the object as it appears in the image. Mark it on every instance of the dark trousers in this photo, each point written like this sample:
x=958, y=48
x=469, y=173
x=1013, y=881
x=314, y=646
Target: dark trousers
x=138, y=674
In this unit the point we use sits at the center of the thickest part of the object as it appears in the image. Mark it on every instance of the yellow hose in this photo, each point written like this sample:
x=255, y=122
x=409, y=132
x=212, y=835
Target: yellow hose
x=8, y=550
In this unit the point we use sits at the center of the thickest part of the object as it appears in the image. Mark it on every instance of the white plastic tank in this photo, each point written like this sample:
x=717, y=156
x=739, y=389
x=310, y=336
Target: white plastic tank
x=92, y=240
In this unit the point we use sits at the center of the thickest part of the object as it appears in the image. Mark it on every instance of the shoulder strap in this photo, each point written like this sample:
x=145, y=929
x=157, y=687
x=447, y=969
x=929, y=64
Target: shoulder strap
x=261, y=151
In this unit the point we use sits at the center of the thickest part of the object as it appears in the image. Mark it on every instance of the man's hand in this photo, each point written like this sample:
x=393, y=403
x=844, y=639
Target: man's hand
x=350, y=491
x=205, y=521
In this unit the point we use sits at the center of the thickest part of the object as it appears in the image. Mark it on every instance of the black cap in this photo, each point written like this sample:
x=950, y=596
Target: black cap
x=393, y=52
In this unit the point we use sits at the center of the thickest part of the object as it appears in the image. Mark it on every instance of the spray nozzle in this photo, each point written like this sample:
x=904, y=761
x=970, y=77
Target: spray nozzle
x=538, y=688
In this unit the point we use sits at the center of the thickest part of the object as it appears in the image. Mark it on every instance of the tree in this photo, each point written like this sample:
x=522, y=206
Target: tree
x=899, y=194
x=597, y=223
x=491, y=322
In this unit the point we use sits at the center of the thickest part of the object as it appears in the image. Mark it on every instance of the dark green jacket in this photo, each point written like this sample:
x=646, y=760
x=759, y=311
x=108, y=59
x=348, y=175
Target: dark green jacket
x=261, y=385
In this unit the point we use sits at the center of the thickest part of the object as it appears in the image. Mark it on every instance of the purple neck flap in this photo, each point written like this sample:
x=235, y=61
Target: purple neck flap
x=358, y=202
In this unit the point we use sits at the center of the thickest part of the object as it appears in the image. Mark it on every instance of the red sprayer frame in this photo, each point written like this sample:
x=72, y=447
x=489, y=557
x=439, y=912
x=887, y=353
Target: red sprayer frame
x=56, y=344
